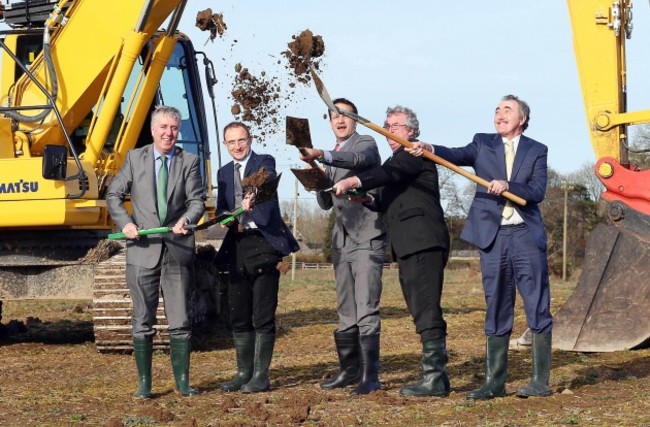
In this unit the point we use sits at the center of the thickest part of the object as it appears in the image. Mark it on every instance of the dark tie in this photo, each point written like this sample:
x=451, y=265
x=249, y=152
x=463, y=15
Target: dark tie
x=238, y=189
x=161, y=193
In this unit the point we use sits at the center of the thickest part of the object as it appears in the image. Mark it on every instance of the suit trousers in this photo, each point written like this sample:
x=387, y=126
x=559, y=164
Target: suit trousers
x=254, y=283
x=514, y=263
x=145, y=285
x=421, y=276
x=358, y=268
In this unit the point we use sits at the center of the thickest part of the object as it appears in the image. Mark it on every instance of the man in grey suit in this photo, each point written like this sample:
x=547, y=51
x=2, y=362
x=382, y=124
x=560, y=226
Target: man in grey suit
x=165, y=188
x=359, y=249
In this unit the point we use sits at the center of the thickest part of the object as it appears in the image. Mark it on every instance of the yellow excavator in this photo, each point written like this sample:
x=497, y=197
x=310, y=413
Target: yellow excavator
x=608, y=310
x=79, y=80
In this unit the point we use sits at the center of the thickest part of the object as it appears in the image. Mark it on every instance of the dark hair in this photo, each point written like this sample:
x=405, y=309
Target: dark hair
x=236, y=125
x=346, y=102
x=524, y=109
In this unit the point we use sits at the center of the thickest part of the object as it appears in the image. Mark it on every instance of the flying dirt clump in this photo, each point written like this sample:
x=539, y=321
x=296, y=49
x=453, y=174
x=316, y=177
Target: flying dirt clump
x=256, y=99
x=304, y=54
x=207, y=21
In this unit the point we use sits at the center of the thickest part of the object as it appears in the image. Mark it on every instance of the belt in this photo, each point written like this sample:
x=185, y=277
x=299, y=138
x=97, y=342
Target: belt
x=247, y=231
x=520, y=225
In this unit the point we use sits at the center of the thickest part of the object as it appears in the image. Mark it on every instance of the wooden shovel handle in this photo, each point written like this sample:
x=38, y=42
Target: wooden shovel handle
x=311, y=163
x=439, y=160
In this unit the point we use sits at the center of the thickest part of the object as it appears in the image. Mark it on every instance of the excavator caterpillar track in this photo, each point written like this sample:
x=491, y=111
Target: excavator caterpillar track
x=112, y=308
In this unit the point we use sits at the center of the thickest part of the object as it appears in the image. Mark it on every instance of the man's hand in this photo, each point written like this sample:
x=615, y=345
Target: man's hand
x=130, y=230
x=179, y=227
x=309, y=154
x=497, y=187
x=418, y=148
x=346, y=184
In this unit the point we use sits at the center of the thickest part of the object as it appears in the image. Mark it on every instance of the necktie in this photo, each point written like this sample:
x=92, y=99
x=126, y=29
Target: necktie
x=161, y=189
x=338, y=147
x=238, y=188
x=509, y=209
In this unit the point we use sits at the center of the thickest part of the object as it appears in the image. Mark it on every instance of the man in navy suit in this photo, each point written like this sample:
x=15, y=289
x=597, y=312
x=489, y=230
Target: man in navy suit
x=511, y=240
x=252, y=248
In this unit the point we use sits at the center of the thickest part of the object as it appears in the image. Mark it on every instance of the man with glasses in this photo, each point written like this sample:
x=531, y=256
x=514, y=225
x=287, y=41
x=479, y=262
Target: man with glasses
x=358, y=249
x=251, y=250
x=410, y=205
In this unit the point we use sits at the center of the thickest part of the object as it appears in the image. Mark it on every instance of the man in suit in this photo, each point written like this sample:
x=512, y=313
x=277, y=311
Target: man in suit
x=410, y=205
x=511, y=240
x=165, y=188
x=252, y=248
x=358, y=248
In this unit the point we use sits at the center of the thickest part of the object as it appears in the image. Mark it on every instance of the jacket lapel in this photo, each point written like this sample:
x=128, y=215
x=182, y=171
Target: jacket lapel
x=500, y=154
x=522, y=151
x=174, y=171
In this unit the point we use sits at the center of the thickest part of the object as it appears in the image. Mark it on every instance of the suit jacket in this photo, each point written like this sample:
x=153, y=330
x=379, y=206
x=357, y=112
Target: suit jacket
x=360, y=224
x=185, y=198
x=266, y=215
x=529, y=174
x=410, y=203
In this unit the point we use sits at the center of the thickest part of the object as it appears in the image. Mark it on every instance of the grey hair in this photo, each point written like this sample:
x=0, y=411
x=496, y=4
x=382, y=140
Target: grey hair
x=411, y=118
x=524, y=109
x=165, y=110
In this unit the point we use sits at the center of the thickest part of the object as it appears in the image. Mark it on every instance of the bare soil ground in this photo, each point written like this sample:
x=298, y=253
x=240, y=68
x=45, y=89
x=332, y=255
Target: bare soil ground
x=51, y=375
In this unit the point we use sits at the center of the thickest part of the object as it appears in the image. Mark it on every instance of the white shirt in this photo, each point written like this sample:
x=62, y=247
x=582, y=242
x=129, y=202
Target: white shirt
x=516, y=218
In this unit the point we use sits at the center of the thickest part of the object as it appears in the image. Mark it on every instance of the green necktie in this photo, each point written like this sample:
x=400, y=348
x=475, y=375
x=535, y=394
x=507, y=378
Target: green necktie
x=161, y=193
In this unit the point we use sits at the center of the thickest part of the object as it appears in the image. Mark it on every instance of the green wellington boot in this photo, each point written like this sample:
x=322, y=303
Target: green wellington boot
x=245, y=352
x=263, y=354
x=496, y=369
x=538, y=386
x=142, y=351
x=179, y=351
x=435, y=381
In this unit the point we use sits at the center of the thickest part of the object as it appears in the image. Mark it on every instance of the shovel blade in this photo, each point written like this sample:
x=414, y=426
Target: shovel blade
x=312, y=179
x=297, y=131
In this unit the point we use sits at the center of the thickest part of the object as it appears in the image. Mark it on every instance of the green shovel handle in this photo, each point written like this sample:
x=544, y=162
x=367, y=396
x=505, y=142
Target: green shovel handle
x=159, y=230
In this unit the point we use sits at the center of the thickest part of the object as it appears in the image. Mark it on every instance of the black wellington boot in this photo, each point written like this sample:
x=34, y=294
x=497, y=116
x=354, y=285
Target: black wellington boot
x=496, y=369
x=179, y=351
x=245, y=350
x=263, y=354
x=347, y=347
x=142, y=351
x=435, y=381
x=369, y=364
x=538, y=386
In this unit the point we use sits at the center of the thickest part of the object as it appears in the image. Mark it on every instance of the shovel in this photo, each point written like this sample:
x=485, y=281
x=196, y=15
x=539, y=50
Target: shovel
x=320, y=87
x=298, y=135
x=262, y=194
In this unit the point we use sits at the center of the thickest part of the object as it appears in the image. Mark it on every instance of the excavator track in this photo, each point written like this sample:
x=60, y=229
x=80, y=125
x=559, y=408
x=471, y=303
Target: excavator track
x=112, y=308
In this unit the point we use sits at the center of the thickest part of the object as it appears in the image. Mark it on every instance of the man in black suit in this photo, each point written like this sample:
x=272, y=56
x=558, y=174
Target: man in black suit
x=252, y=249
x=419, y=239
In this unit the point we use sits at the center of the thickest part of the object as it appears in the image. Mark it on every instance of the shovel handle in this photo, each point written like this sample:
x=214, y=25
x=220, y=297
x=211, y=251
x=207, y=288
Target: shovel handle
x=311, y=163
x=439, y=160
x=145, y=232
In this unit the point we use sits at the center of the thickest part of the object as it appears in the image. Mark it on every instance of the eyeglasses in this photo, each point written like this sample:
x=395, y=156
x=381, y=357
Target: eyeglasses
x=394, y=126
x=233, y=143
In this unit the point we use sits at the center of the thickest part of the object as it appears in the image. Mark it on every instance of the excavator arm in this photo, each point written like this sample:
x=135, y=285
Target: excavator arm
x=608, y=309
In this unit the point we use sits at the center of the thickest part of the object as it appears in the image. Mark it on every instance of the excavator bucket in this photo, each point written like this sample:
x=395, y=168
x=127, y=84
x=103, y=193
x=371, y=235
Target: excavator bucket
x=608, y=311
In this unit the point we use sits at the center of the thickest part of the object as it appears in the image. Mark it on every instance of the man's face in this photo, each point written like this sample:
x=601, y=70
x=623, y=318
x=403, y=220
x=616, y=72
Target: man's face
x=507, y=120
x=238, y=142
x=396, y=124
x=342, y=126
x=165, y=133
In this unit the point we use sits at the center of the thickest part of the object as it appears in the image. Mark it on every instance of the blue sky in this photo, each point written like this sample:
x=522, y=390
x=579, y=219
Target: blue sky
x=449, y=61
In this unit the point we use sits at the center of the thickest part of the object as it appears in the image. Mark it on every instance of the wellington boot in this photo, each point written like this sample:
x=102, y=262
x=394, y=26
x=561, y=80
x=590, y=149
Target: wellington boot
x=496, y=369
x=263, y=354
x=347, y=347
x=142, y=351
x=179, y=350
x=369, y=364
x=435, y=381
x=538, y=386
x=245, y=350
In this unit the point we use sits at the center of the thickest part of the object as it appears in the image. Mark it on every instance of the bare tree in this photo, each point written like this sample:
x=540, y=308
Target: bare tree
x=586, y=176
x=311, y=221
